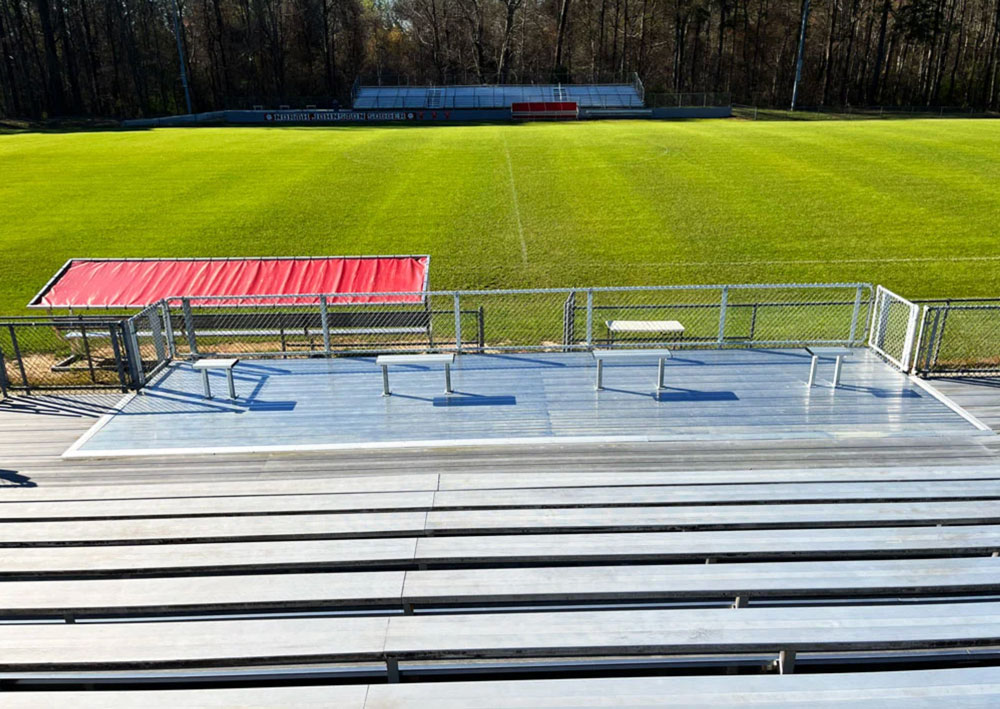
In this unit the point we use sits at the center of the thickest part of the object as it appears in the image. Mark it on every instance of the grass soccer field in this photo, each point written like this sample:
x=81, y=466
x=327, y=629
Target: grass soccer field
x=911, y=204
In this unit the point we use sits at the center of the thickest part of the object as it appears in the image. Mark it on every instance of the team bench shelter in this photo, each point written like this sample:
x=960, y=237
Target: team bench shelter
x=252, y=296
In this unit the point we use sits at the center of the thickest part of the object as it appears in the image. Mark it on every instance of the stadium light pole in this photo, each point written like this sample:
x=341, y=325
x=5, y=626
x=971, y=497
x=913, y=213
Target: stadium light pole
x=180, y=55
x=802, y=46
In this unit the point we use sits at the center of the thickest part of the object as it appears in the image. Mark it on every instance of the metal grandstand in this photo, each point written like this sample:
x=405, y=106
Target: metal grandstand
x=494, y=96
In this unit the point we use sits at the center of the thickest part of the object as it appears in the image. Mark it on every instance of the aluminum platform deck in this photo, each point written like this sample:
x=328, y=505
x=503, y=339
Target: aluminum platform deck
x=712, y=395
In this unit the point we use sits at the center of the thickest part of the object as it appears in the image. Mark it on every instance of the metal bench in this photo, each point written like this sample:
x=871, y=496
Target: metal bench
x=385, y=360
x=642, y=327
x=203, y=365
x=630, y=355
x=838, y=353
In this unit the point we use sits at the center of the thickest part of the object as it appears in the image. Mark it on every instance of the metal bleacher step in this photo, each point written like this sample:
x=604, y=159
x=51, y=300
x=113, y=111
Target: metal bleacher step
x=967, y=688
x=513, y=587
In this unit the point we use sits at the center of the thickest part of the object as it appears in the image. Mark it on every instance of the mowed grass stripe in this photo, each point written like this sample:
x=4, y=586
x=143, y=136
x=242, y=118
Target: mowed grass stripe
x=605, y=203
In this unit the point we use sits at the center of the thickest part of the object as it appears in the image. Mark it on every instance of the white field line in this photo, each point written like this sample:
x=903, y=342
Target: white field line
x=517, y=209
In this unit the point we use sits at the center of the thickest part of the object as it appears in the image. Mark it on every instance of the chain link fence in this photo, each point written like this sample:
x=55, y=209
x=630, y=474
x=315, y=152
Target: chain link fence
x=557, y=319
x=959, y=338
x=62, y=353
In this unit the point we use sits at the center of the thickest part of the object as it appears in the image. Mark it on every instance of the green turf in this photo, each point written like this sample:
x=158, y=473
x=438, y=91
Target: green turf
x=911, y=204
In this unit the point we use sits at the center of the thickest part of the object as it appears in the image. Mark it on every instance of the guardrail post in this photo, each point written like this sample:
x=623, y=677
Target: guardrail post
x=590, y=318
x=722, y=315
x=854, y=315
x=168, y=328
x=325, y=322
x=112, y=330
x=458, y=323
x=189, y=325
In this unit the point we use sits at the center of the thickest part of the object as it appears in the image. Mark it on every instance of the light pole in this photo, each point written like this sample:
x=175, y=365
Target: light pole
x=180, y=55
x=802, y=46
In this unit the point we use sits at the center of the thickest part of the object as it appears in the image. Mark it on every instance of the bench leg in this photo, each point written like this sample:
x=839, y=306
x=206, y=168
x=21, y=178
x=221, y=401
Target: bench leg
x=232, y=386
x=205, y=384
x=447, y=378
x=600, y=375
x=659, y=375
x=385, y=380
x=836, y=371
x=812, y=370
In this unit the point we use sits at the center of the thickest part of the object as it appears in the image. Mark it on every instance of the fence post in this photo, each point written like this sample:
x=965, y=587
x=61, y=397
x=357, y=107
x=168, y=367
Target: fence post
x=86, y=351
x=325, y=322
x=911, y=331
x=722, y=315
x=590, y=318
x=481, y=330
x=3, y=375
x=168, y=327
x=135, y=356
x=189, y=325
x=458, y=323
x=854, y=315
x=20, y=360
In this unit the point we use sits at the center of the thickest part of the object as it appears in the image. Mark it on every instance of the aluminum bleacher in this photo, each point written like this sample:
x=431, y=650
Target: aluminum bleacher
x=603, y=96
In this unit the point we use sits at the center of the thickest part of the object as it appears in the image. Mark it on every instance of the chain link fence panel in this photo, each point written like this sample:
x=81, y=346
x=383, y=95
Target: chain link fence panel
x=61, y=353
x=557, y=319
x=959, y=339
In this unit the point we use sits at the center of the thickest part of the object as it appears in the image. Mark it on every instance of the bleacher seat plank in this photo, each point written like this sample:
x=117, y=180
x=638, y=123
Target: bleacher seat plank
x=500, y=521
x=220, y=556
x=523, y=498
x=717, y=517
x=219, y=505
x=560, y=634
x=554, y=548
x=404, y=482
x=974, y=688
x=482, y=481
x=515, y=585
x=716, y=494
x=840, y=628
x=214, y=528
x=275, y=591
x=962, y=688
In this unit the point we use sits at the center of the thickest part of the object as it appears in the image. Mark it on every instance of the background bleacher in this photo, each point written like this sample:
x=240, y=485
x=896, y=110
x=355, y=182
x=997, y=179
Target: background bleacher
x=496, y=96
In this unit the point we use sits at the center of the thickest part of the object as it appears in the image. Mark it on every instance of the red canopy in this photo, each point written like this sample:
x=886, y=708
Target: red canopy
x=132, y=283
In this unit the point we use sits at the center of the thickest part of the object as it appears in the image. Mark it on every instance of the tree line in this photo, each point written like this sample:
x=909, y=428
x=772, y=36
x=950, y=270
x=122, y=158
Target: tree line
x=120, y=58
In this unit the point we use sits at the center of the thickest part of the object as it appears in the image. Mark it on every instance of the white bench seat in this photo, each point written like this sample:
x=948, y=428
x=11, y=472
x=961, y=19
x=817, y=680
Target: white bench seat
x=204, y=365
x=837, y=353
x=415, y=359
x=642, y=327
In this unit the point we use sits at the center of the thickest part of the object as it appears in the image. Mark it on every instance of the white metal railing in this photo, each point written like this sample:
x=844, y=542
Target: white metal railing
x=893, y=328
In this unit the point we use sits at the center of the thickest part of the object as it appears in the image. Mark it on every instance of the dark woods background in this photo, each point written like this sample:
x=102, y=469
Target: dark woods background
x=119, y=57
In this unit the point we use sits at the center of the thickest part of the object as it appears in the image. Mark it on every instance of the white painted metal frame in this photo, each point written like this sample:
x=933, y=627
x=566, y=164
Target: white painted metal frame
x=884, y=299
